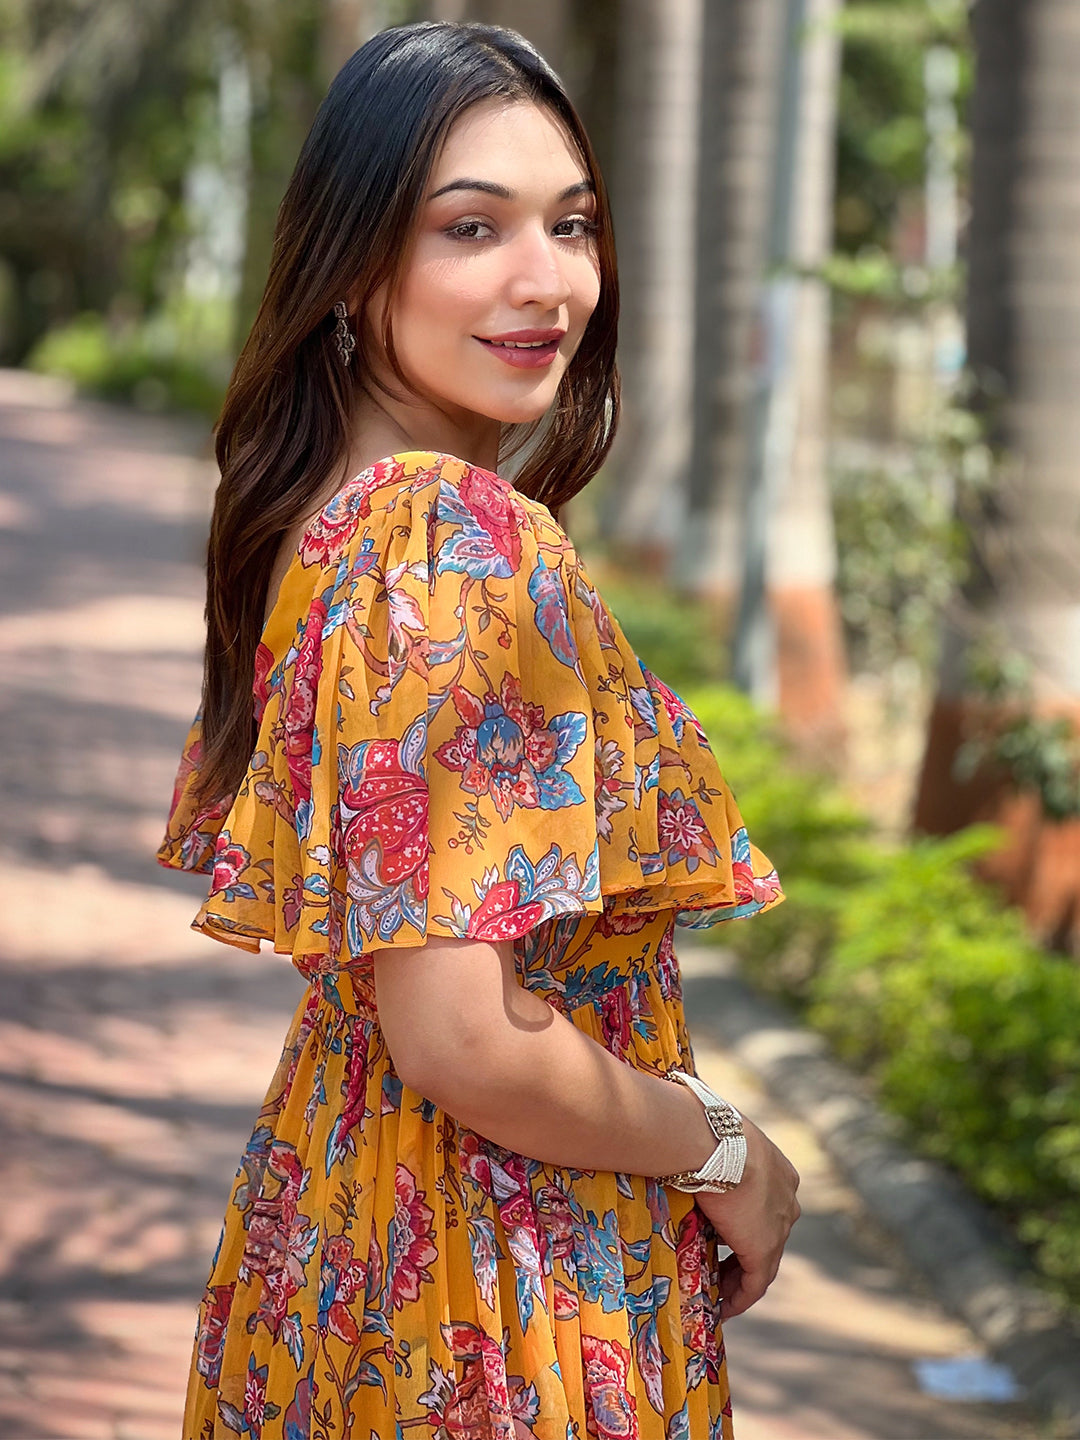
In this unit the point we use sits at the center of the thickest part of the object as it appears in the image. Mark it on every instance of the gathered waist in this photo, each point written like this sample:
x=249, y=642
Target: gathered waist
x=354, y=994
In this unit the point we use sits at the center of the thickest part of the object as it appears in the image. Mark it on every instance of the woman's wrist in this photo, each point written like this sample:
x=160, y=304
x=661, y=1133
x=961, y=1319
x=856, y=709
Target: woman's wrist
x=700, y=1139
x=723, y=1168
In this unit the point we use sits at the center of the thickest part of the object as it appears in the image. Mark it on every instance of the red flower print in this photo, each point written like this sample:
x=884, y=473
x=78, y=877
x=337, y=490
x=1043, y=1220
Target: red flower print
x=689, y=1257
x=496, y=511
x=500, y=917
x=211, y=1342
x=255, y=1394
x=279, y=1241
x=387, y=804
x=230, y=862
x=667, y=966
x=556, y=1215
x=474, y=1161
x=673, y=706
x=611, y=1405
x=264, y=663
x=517, y=1209
x=618, y=923
x=476, y=1350
x=342, y=1280
x=505, y=749
x=766, y=887
x=566, y=1302
x=411, y=1243
x=336, y=524
x=298, y=714
x=615, y=1019
x=342, y=1138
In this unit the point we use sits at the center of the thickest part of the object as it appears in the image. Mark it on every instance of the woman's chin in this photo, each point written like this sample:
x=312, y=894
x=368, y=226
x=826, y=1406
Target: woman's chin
x=521, y=410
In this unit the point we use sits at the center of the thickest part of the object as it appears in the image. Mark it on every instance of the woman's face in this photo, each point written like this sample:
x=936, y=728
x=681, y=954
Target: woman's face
x=503, y=251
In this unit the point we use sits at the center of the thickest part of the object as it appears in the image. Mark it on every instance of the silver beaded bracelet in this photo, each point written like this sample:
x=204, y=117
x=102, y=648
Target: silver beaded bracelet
x=723, y=1170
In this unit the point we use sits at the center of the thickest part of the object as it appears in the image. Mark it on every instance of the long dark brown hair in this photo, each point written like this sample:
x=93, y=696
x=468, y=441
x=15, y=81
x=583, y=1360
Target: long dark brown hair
x=343, y=229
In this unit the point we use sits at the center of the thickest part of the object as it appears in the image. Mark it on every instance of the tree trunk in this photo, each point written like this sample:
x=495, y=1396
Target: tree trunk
x=1023, y=318
x=741, y=51
x=800, y=566
x=758, y=519
x=284, y=50
x=543, y=22
x=654, y=201
x=346, y=24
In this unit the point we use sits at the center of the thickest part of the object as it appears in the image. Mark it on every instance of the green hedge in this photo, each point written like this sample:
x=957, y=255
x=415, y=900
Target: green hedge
x=920, y=977
x=153, y=366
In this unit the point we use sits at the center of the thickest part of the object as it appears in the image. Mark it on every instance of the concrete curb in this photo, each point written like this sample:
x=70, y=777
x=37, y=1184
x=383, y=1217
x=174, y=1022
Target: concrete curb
x=973, y=1265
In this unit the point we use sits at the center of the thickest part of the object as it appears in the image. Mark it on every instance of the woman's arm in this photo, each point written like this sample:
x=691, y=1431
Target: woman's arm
x=463, y=1032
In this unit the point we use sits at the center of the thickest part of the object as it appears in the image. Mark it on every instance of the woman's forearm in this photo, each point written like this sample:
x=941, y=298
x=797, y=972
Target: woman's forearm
x=539, y=1085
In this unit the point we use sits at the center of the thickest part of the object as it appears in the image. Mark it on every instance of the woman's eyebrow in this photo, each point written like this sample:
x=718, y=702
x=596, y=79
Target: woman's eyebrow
x=582, y=187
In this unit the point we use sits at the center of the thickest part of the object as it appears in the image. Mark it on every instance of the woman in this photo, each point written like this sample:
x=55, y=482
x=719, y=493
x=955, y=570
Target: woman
x=429, y=767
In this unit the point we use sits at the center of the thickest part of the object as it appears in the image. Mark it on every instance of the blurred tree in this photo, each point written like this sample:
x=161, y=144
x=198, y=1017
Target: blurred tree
x=654, y=202
x=345, y=25
x=1018, y=615
x=290, y=47
x=758, y=520
x=102, y=110
x=881, y=129
x=741, y=52
x=799, y=553
x=546, y=23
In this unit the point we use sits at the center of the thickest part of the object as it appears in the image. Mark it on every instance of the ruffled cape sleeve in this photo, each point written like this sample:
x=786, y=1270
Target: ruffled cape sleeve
x=455, y=738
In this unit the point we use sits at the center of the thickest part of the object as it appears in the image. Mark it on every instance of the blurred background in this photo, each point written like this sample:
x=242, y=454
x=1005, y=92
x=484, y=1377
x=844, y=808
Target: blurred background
x=841, y=517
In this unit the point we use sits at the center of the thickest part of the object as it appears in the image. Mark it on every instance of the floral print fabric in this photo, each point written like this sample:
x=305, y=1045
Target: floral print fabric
x=455, y=738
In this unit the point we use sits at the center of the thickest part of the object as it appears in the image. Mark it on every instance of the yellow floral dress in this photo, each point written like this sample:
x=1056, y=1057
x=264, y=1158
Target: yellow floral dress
x=455, y=738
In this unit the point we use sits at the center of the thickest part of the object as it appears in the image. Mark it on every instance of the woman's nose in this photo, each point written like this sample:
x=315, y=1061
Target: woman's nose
x=537, y=270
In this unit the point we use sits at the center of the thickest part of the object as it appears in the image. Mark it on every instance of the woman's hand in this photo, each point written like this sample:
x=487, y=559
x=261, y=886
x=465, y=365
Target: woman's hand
x=755, y=1220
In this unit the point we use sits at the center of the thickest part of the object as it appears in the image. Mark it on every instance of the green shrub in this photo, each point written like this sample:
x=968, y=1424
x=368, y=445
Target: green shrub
x=148, y=366
x=971, y=1032
x=676, y=639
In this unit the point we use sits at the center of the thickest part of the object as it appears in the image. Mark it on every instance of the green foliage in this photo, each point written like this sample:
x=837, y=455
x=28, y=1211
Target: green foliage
x=146, y=365
x=1042, y=753
x=106, y=114
x=1039, y=753
x=899, y=551
x=672, y=636
x=972, y=1033
x=874, y=273
x=900, y=547
x=881, y=125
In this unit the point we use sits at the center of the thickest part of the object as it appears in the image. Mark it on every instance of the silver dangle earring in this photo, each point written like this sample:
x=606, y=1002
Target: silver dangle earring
x=346, y=340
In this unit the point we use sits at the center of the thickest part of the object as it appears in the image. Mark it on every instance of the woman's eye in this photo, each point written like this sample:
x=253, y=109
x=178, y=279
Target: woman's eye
x=455, y=231
x=588, y=227
x=468, y=229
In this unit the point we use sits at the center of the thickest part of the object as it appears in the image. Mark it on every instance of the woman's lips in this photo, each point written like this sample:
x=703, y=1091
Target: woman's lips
x=531, y=357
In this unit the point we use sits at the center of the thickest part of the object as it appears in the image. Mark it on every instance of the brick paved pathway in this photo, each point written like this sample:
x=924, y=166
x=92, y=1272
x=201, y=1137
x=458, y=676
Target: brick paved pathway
x=133, y=1052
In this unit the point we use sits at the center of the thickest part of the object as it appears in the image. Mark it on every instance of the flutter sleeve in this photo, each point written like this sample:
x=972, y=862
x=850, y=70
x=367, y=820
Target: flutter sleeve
x=456, y=739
